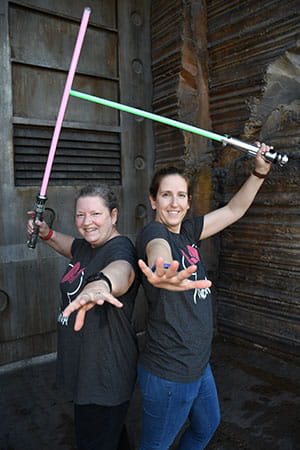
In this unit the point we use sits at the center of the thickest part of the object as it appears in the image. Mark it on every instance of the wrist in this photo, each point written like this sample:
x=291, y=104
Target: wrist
x=103, y=284
x=49, y=235
x=100, y=277
x=259, y=174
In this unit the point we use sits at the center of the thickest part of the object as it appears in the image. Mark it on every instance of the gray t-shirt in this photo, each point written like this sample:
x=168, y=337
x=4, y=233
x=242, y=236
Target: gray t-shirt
x=179, y=325
x=97, y=365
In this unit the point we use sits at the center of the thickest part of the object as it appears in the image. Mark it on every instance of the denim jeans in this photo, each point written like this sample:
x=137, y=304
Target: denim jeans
x=167, y=405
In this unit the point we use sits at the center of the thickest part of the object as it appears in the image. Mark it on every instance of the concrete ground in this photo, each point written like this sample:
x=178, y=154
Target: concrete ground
x=259, y=397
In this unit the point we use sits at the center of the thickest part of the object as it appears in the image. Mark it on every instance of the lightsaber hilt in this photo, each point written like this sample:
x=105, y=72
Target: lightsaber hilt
x=38, y=215
x=250, y=149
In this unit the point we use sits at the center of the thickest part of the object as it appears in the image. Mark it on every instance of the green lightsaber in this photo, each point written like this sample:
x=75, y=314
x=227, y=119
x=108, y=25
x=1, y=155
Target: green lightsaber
x=270, y=156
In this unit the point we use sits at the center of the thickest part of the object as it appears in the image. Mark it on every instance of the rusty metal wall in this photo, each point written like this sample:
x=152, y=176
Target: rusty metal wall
x=254, y=82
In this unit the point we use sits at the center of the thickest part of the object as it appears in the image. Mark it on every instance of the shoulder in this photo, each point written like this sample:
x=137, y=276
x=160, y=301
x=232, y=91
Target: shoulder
x=121, y=239
x=79, y=245
x=191, y=228
x=121, y=247
x=154, y=230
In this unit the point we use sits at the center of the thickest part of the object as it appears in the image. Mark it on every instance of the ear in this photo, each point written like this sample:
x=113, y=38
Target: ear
x=152, y=202
x=114, y=216
x=189, y=202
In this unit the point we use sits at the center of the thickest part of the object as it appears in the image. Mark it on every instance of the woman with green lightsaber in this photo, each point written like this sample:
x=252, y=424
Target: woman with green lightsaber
x=174, y=373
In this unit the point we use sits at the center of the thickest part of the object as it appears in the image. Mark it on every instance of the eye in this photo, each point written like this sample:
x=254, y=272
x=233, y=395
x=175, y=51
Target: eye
x=96, y=213
x=182, y=195
x=165, y=194
x=79, y=215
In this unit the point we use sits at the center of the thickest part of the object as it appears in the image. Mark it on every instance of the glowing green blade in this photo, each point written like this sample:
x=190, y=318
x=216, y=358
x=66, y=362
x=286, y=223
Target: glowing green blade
x=147, y=115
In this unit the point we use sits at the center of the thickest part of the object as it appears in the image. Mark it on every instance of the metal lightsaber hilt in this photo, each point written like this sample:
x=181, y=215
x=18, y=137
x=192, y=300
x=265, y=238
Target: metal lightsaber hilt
x=270, y=156
x=38, y=215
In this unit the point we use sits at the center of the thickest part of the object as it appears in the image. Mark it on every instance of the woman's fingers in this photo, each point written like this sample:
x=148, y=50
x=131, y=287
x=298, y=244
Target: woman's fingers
x=170, y=278
x=86, y=301
x=79, y=321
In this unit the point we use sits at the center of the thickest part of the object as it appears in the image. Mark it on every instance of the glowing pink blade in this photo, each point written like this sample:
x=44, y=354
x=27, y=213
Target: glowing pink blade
x=65, y=98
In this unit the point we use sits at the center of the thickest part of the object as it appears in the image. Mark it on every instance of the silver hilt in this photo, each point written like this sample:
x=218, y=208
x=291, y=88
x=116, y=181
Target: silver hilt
x=271, y=155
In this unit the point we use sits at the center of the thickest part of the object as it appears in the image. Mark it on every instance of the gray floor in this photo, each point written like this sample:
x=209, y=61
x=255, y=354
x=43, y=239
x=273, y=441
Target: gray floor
x=259, y=396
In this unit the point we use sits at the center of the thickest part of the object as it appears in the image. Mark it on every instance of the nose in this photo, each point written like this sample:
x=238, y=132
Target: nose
x=86, y=219
x=174, y=200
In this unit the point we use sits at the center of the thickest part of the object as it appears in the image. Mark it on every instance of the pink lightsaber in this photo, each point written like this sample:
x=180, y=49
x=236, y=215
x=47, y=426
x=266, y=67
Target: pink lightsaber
x=65, y=98
x=41, y=198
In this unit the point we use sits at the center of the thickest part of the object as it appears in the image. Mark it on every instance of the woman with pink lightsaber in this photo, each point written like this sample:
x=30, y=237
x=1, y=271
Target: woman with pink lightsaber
x=97, y=351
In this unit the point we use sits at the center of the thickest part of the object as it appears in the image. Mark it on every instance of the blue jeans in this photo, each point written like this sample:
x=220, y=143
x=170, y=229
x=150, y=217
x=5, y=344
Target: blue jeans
x=167, y=405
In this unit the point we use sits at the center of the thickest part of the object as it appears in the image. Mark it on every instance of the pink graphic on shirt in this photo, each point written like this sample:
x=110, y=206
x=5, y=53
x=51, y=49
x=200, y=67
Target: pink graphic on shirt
x=193, y=256
x=73, y=274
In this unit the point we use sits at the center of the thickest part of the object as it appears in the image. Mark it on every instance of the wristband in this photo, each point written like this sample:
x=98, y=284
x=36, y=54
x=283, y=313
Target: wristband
x=49, y=235
x=100, y=276
x=259, y=175
x=165, y=266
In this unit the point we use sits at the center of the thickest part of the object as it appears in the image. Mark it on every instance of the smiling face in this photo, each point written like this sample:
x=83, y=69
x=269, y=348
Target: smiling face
x=94, y=221
x=171, y=202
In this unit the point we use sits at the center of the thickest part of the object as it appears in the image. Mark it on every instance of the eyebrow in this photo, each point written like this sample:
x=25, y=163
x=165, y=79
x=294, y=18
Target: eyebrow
x=178, y=192
x=88, y=212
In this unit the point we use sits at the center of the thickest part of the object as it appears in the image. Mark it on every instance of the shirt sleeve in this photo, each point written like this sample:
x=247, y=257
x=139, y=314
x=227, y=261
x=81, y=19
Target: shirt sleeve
x=154, y=230
x=77, y=245
x=122, y=248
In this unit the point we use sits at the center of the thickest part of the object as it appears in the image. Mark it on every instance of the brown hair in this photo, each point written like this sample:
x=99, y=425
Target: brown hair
x=102, y=191
x=165, y=171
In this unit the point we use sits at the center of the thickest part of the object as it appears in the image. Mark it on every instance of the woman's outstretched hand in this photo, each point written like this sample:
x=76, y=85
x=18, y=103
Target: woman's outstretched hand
x=88, y=298
x=170, y=278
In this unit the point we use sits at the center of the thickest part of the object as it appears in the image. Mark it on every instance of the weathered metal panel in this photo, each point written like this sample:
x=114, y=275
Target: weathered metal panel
x=96, y=143
x=87, y=154
x=38, y=75
x=135, y=90
x=254, y=63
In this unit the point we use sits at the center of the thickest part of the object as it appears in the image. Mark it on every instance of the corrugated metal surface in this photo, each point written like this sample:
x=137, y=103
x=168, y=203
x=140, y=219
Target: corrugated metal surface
x=166, y=26
x=254, y=59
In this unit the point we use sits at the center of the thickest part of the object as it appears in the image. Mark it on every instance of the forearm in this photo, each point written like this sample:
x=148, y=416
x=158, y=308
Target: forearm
x=61, y=243
x=221, y=218
x=121, y=275
x=158, y=248
x=217, y=220
x=243, y=199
